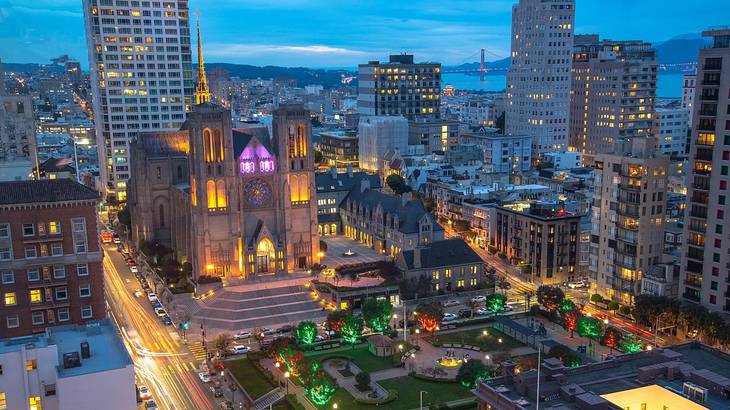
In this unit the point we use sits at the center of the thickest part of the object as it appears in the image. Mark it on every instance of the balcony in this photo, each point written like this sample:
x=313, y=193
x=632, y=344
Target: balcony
x=630, y=187
x=631, y=211
x=691, y=296
x=632, y=239
x=693, y=283
x=709, y=113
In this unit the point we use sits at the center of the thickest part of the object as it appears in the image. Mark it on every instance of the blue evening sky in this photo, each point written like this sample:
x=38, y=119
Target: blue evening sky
x=343, y=33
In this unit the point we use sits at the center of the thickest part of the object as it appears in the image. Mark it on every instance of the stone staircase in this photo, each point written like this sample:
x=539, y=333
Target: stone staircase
x=269, y=399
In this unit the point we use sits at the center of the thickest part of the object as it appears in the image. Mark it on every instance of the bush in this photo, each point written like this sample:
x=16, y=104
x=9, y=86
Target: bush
x=392, y=396
x=502, y=255
x=596, y=298
x=625, y=310
x=613, y=305
x=208, y=279
x=363, y=379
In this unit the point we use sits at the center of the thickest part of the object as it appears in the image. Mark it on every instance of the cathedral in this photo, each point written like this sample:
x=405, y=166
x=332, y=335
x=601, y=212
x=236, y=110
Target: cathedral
x=236, y=203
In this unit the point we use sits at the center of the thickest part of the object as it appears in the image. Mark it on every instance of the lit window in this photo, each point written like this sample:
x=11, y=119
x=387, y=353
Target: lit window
x=34, y=403
x=10, y=299
x=54, y=227
x=30, y=364
x=35, y=296
x=3, y=401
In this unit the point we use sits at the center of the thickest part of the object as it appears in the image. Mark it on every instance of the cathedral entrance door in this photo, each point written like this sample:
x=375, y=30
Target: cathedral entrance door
x=265, y=260
x=302, y=261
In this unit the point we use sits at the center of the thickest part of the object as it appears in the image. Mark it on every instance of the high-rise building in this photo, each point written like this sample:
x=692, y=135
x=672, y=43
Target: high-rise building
x=399, y=87
x=18, y=146
x=612, y=95
x=627, y=237
x=538, y=81
x=670, y=130
x=688, y=93
x=706, y=249
x=141, y=77
x=378, y=135
x=50, y=258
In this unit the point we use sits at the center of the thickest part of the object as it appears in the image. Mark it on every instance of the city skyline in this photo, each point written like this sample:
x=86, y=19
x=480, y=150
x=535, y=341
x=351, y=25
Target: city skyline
x=429, y=30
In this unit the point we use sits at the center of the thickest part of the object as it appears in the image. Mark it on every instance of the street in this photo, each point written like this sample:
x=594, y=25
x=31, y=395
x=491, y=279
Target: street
x=162, y=361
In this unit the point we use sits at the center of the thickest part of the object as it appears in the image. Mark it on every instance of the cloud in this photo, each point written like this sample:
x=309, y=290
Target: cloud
x=238, y=49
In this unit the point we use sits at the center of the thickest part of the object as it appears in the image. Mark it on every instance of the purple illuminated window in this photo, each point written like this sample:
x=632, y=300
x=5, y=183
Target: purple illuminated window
x=256, y=156
x=248, y=167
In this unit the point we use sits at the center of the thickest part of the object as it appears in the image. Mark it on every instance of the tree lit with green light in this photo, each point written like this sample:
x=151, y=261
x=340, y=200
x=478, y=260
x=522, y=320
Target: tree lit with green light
x=631, y=344
x=351, y=328
x=306, y=333
x=377, y=313
x=589, y=327
x=566, y=305
x=495, y=302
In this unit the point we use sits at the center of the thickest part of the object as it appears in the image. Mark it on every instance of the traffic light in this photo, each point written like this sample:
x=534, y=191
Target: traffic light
x=185, y=325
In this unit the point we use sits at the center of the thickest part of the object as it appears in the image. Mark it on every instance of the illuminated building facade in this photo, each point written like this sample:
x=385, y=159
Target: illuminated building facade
x=141, y=77
x=399, y=87
x=612, y=98
x=538, y=80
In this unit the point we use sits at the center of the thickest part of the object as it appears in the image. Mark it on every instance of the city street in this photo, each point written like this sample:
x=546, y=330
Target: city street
x=162, y=360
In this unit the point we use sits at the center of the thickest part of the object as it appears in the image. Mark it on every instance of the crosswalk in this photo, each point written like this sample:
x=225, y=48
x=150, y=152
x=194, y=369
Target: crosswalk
x=198, y=351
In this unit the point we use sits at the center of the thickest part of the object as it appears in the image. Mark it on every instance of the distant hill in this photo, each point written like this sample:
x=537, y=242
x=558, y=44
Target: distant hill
x=31, y=67
x=303, y=76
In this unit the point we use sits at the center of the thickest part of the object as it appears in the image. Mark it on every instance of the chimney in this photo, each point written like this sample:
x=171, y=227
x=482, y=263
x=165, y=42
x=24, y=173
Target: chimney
x=333, y=171
x=417, y=257
x=364, y=184
x=349, y=170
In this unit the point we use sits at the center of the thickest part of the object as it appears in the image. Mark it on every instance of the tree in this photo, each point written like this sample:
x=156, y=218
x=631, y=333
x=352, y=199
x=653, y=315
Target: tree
x=589, y=327
x=221, y=342
x=631, y=344
x=335, y=320
x=495, y=302
x=124, y=217
x=550, y=297
x=429, y=316
x=320, y=387
x=351, y=328
x=611, y=337
x=596, y=298
x=571, y=321
x=363, y=379
x=377, y=313
x=613, y=306
x=318, y=157
x=566, y=305
x=397, y=184
x=503, y=284
x=499, y=123
x=565, y=355
x=471, y=372
x=306, y=332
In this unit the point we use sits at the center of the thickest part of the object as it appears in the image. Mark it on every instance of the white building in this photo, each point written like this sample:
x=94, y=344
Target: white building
x=688, y=93
x=377, y=135
x=565, y=159
x=502, y=153
x=670, y=130
x=68, y=368
x=538, y=81
x=18, y=146
x=141, y=77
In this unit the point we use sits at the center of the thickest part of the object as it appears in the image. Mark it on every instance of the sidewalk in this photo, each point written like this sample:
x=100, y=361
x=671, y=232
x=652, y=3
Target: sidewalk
x=291, y=388
x=595, y=351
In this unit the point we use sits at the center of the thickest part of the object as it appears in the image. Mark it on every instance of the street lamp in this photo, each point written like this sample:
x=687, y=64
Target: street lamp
x=420, y=396
x=605, y=321
x=334, y=406
x=286, y=376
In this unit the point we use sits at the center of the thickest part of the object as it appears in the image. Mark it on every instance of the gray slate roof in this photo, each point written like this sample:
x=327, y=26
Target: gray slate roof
x=327, y=183
x=444, y=253
x=44, y=190
x=242, y=137
x=408, y=214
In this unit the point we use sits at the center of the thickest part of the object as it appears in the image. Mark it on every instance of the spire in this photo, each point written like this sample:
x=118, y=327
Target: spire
x=202, y=93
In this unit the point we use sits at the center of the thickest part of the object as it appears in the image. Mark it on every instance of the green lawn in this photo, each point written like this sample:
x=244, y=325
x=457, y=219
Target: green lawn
x=408, y=394
x=487, y=343
x=361, y=357
x=255, y=383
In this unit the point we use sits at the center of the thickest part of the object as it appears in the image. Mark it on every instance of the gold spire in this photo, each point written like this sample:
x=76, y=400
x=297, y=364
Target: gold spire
x=202, y=93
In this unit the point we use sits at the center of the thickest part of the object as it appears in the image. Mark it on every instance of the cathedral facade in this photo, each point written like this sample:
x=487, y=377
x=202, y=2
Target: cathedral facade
x=234, y=202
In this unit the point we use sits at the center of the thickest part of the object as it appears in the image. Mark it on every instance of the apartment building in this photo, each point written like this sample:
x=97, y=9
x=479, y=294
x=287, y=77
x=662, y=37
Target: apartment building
x=50, y=258
x=377, y=135
x=399, y=87
x=141, y=77
x=670, y=129
x=339, y=148
x=18, y=145
x=689, y=84
x=627, y=235
x=538, y=80
x=612, y=95
x=705, y=258
x=502, y=153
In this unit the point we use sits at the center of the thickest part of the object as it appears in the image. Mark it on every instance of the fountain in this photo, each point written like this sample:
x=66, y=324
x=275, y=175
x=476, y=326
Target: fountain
x=449, y=359
x=348, y=253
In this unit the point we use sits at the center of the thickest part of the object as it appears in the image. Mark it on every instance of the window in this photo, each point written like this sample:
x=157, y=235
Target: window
x=10, y=299
x=31, y=252
x=54, y=227
x=28, y=230
x=460, y=283
x=63, y=315
x=79, y=225
x=84, y=291
x=34, y=275
x=34, y=403
x=59, y=271
x=8, y=277
x=57, y=249
x=4, y=231
x=435, y=275
x=5, y=253
x=35, y=296
x=37, y=318
x=3, y=401
x=31, y=364
x=80, y=246
x=86, y=312
x=82, y=270
x=61, y=293
x=12, y=321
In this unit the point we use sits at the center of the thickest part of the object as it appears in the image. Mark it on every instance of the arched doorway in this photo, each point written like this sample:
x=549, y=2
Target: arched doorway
x=265, y=257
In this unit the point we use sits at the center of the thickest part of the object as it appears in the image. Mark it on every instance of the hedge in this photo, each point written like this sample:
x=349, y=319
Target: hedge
x=431, y=379
x=392, y=396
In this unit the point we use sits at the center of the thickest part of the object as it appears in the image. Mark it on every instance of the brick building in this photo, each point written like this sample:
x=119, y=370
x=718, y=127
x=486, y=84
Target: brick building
x=50, y=258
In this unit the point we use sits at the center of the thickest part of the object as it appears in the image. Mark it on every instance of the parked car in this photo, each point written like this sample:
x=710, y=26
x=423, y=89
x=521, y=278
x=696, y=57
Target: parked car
x=204, y=377
x=238, y=349
x=448, y=317
x=226, y=405
x=150, y=405
x=692, y=334
x=267, y=331
x=508, y=308
x=152, y=296
x=217, y=391
x=156, y=304
x=450, y=303
x=166, y=320
x=483, y=311
x=144, y=392
x=134, y=269
x=244, y=334
x=137, y=293
x=160, y=312
x=465, y=313
x=578, y=284
x=320, y=338
x=116, y=240
x=284, y=329
x=479, y=299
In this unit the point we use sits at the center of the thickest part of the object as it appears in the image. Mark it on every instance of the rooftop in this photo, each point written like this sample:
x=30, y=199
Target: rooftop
x=442, y=253
x=45, y=190
x=105, y=344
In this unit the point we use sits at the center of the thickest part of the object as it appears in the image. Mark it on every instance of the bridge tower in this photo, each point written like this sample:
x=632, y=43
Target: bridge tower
x=482, y=69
